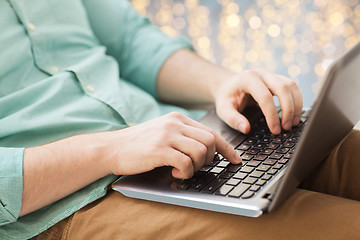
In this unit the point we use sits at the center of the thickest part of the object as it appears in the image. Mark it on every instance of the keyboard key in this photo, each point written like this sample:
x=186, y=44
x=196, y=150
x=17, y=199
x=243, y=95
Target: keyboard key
x=288, y=155
x=217, y=170
x=260, y=182
x=266, y=177
x=205, y=168
x=249, y=180
x=217, y=157
x=272, y=171
x=233, y=181
x=283, y=160
x=202, y=182
x=226, y=175
x=254, y=188
x=270, y=161
x=273, y=145
x=244, y=147
x=251, y=141
x=277, y=166
x=256, y=174
x=276, y=156
x=266, y=139
x=267, y=151
x=282, y=150
x=260, y=157
x=224, y=190
x=285, y=134
x=263, y=167
x=258, y=135
x=223, y=164
x=240, y=175
x=240, y=152
x=253, y=163
x=253, y=151
x=212, y=186
x=183, y=186
x=278, y=140
x=260, y=146
x=247, y=194
x=247, y=169
x=234, y=168
x=213, y=162
x=247, y=156
x=288, y=144
x=239, y=190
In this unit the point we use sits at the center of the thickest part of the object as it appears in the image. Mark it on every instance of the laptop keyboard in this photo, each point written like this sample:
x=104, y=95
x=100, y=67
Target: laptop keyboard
x=263, y=155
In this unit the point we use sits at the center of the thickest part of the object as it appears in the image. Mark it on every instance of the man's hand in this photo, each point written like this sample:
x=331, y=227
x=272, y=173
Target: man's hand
x=187, y=78
x=171, y=140
x=259, y=86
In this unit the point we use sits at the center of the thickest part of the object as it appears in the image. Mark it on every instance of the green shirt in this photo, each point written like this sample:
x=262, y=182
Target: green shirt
x=69, y=67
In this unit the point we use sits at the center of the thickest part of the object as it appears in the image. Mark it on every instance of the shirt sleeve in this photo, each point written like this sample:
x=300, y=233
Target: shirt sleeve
x=11, y=184
x=139, y=47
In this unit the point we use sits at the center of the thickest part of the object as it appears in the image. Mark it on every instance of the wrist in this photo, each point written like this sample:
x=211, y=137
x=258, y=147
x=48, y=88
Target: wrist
x=93, y=151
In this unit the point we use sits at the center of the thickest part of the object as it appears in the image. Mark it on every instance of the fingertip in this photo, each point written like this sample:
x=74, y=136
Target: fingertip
x=296, y=121
x=244, y=127
x=276, y=130
x=238, y=159
x=177, y=174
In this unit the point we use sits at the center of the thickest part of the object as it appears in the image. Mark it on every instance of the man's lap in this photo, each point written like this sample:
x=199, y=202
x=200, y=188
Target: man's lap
x=304, y=215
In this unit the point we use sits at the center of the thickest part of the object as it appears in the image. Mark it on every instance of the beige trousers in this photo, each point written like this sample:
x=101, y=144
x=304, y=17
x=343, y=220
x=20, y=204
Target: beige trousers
x=326, y=206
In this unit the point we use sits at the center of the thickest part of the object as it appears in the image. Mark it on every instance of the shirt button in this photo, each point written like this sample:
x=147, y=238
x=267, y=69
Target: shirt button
x=54, y=69
x=90, y=88
x=31, y=26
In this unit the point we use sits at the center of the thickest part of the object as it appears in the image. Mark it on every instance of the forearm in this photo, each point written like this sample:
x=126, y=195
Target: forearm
x=187, y=78
x=55, y=170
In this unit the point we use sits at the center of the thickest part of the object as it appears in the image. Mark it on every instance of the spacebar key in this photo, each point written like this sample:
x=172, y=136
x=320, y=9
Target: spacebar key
x=239, y=190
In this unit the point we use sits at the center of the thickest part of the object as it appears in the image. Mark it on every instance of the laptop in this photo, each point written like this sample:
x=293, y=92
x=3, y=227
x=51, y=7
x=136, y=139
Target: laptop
x=273, y=166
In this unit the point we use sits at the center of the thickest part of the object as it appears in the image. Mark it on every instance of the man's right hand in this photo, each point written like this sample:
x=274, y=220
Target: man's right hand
x=171, y=140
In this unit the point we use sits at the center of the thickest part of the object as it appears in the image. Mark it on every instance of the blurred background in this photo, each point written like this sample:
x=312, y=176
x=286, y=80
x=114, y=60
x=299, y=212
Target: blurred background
x=296, y=38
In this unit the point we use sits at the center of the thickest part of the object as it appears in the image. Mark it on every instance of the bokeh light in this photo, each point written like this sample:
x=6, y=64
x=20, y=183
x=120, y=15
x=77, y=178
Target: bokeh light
x=297, y=38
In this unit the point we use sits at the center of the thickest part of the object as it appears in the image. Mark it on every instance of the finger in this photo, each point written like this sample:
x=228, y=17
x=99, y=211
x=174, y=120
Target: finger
x=192, y=148
x=204, y=137
x=262, y=95
x=183, y=165
x=298, y=103
x=233, y=117
x=222, y=146
x=282, y=88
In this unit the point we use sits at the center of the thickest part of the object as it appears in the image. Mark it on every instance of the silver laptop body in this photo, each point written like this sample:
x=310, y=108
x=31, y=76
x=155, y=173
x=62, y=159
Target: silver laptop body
x=333, y=115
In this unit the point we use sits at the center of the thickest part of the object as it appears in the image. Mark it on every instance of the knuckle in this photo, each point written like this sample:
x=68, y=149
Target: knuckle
x=169, y=124
x=186, y=162
x=267, y=97
x=202, y=151
x=175, y=115
x=260, y=70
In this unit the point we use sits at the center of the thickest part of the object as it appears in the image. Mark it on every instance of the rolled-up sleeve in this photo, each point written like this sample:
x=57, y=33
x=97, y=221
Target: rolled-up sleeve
x=11, y=184
x=139, y=47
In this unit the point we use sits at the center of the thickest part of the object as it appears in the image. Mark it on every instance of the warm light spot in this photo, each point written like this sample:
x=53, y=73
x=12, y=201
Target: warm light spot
x=319, y=70
x=294, y=70
x=179, y=23
x=336, y=18
x=274, y=30
x=203, y=42
x=326, y=63
x=251, y=56
x=178, y=9
x=233, y=20
x=255, y=22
